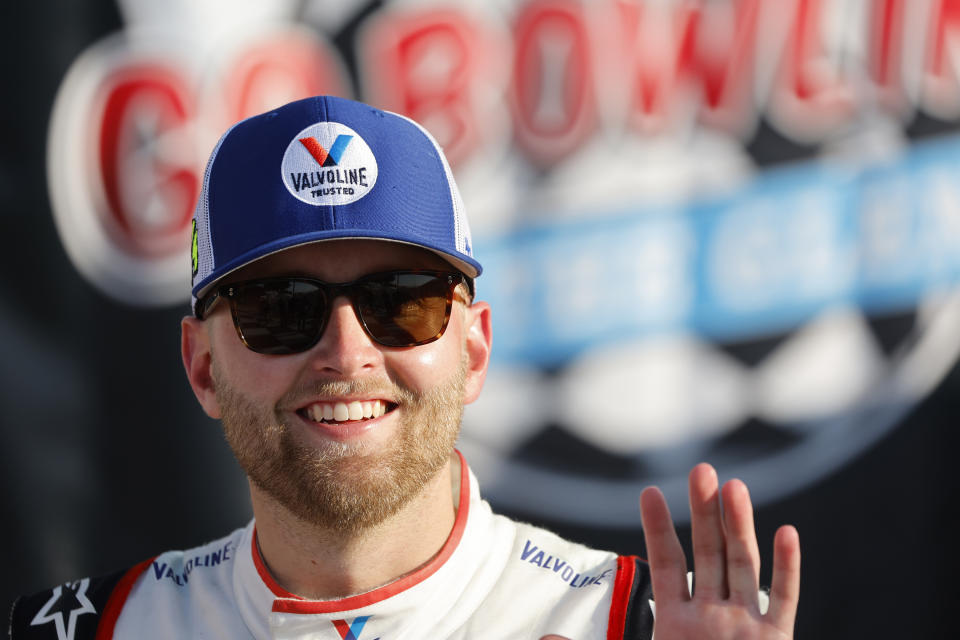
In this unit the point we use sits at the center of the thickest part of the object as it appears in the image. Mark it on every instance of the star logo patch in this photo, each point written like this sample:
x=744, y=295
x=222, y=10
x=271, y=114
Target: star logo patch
x=66, y=603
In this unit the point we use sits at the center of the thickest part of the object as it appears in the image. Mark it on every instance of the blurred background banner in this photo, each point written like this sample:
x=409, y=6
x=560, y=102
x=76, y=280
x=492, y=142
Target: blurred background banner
x=723, y=230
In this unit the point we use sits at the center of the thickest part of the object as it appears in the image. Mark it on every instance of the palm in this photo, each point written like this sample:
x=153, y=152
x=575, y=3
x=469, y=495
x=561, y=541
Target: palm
x=725, y=603
x=715, y=620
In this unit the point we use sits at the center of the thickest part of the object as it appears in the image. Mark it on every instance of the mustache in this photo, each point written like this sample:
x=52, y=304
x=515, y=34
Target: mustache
x=306, y=391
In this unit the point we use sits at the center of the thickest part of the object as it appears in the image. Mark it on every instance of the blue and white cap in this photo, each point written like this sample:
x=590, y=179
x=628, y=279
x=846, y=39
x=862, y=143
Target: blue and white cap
x=320, y=169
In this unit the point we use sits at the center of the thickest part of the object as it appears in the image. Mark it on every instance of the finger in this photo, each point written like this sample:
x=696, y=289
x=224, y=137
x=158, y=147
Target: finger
x=668, y=566
x=743, y=554
x=785, y=585
x=709, y=550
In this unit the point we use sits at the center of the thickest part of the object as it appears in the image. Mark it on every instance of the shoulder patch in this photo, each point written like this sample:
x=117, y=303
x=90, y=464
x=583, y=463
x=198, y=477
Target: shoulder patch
x=73, y=610
x=631, y=617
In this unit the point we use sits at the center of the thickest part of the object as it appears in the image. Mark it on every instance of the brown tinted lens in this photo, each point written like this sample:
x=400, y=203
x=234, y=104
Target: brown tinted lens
x=279, y=316
x=405, y=309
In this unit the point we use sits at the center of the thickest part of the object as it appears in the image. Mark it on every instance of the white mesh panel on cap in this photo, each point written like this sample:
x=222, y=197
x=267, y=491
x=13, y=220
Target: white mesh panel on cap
x=205, y=263
x=461, y=226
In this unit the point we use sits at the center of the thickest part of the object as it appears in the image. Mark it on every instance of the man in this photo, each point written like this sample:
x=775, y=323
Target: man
x=336, y=337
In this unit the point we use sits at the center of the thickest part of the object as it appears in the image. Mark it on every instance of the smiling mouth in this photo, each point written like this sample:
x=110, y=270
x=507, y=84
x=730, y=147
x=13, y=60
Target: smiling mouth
x=337, y=412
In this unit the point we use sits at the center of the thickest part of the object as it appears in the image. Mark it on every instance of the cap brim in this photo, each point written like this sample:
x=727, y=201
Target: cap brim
x=470, y=268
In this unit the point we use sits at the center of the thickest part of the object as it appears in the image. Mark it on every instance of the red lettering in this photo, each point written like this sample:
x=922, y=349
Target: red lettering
x=148, y=161
x=721, y=59
x=886, y=45
x=656, y=39
x=946, y=16
x=941, y=90
x=689, y=51
x=436, y=66
x=553, y=84
x=811, y=97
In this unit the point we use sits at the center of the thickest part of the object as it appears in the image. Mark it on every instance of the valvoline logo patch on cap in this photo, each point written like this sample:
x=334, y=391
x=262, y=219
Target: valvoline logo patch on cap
x=328, y=163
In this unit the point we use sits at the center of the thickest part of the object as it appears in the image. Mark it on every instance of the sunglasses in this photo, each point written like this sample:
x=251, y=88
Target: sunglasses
x=288, y=314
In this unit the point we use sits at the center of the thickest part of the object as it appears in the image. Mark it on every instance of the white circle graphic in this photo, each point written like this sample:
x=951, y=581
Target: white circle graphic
x=328, y=163
x=75, y=174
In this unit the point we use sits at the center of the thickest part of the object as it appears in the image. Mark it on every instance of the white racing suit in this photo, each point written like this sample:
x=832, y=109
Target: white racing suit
x=493, y=579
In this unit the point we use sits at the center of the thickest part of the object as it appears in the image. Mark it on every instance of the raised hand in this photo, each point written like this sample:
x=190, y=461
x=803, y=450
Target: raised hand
x=726, y=559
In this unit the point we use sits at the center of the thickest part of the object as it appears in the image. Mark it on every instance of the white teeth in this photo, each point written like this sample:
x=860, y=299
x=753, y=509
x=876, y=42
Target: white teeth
x=344, y=411
x=355, y=410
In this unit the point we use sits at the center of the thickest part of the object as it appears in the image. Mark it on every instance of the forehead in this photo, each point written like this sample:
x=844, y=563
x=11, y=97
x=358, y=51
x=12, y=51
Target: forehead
x=343, y=260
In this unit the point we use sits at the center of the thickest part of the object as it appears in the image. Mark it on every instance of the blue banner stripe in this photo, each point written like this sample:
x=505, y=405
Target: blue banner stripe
x=764, y=260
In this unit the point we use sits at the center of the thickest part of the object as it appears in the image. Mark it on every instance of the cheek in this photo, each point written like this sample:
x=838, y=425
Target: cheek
x=429, y=366
x=252, y=374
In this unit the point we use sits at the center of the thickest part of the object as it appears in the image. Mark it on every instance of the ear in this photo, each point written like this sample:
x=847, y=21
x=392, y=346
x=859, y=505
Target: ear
x=479, y=339
x=198, y=363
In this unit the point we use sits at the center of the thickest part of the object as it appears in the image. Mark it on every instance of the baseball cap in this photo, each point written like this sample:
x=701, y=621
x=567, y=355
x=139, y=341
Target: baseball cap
x=320, y=169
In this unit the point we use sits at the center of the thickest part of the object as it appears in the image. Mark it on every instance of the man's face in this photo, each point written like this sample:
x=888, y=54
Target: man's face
x=345, y=474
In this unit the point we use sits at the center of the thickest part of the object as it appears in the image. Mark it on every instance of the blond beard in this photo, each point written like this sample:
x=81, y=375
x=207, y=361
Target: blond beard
x=342, y=487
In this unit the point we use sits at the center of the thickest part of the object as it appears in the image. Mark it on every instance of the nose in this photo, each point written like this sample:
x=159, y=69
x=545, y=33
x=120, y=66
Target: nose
x=345, y=350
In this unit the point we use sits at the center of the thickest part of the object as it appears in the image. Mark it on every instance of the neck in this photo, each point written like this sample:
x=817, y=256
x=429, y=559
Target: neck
x=323, y=564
